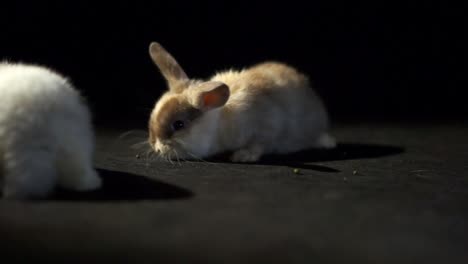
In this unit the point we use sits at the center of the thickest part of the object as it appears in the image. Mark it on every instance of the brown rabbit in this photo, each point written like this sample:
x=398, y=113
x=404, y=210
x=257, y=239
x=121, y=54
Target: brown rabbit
x=267, y=108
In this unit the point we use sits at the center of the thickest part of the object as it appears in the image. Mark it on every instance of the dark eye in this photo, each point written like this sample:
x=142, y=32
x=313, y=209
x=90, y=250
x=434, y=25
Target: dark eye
x=178, y=125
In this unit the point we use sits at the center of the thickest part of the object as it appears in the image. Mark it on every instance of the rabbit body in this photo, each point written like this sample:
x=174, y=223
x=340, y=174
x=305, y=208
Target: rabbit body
x=267, y=108
x=46, y=136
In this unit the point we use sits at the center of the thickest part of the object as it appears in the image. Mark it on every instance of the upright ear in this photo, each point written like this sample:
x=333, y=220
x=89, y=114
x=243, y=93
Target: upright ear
x=210, y=95
x=168, y=66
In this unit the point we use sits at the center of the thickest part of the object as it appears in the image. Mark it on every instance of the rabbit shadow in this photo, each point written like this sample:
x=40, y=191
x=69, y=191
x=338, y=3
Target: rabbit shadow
x=125, y=187
x=303, y=159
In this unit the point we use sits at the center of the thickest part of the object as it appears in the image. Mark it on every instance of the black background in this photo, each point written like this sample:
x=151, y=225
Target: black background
x=368, y=61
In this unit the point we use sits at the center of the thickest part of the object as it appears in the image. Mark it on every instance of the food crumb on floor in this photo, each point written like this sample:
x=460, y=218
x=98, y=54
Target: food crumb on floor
x=296, y=171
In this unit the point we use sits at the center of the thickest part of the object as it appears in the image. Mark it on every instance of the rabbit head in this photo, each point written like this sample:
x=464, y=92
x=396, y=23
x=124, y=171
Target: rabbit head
x=183, y=123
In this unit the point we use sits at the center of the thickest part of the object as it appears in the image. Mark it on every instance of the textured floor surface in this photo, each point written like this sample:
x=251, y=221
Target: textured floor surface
x=390, y=193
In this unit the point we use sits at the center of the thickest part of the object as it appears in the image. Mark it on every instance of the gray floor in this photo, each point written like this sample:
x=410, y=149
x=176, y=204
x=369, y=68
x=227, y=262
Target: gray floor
x=390, y=193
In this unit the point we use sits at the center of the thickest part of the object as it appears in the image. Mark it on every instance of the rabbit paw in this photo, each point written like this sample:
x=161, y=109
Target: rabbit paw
x=326, y=141
x=89, y=182
x=250, y=154
x=83, y=182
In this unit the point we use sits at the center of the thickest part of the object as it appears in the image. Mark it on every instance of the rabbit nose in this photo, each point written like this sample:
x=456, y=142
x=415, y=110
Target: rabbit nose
x=154, y=146
x=158, y=147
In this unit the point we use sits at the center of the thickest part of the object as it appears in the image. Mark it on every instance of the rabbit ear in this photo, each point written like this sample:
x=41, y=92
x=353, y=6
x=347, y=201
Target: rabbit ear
x=168, y=66
x=210, y=95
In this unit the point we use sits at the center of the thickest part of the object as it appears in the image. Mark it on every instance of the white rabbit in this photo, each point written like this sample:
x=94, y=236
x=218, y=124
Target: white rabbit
x=46, y=136
x=267, y=108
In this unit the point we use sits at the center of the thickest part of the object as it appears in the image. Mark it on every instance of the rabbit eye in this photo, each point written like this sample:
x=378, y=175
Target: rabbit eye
x=178, y=125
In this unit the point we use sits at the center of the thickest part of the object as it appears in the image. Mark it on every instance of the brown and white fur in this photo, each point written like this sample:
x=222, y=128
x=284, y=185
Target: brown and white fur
x=267, y=108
